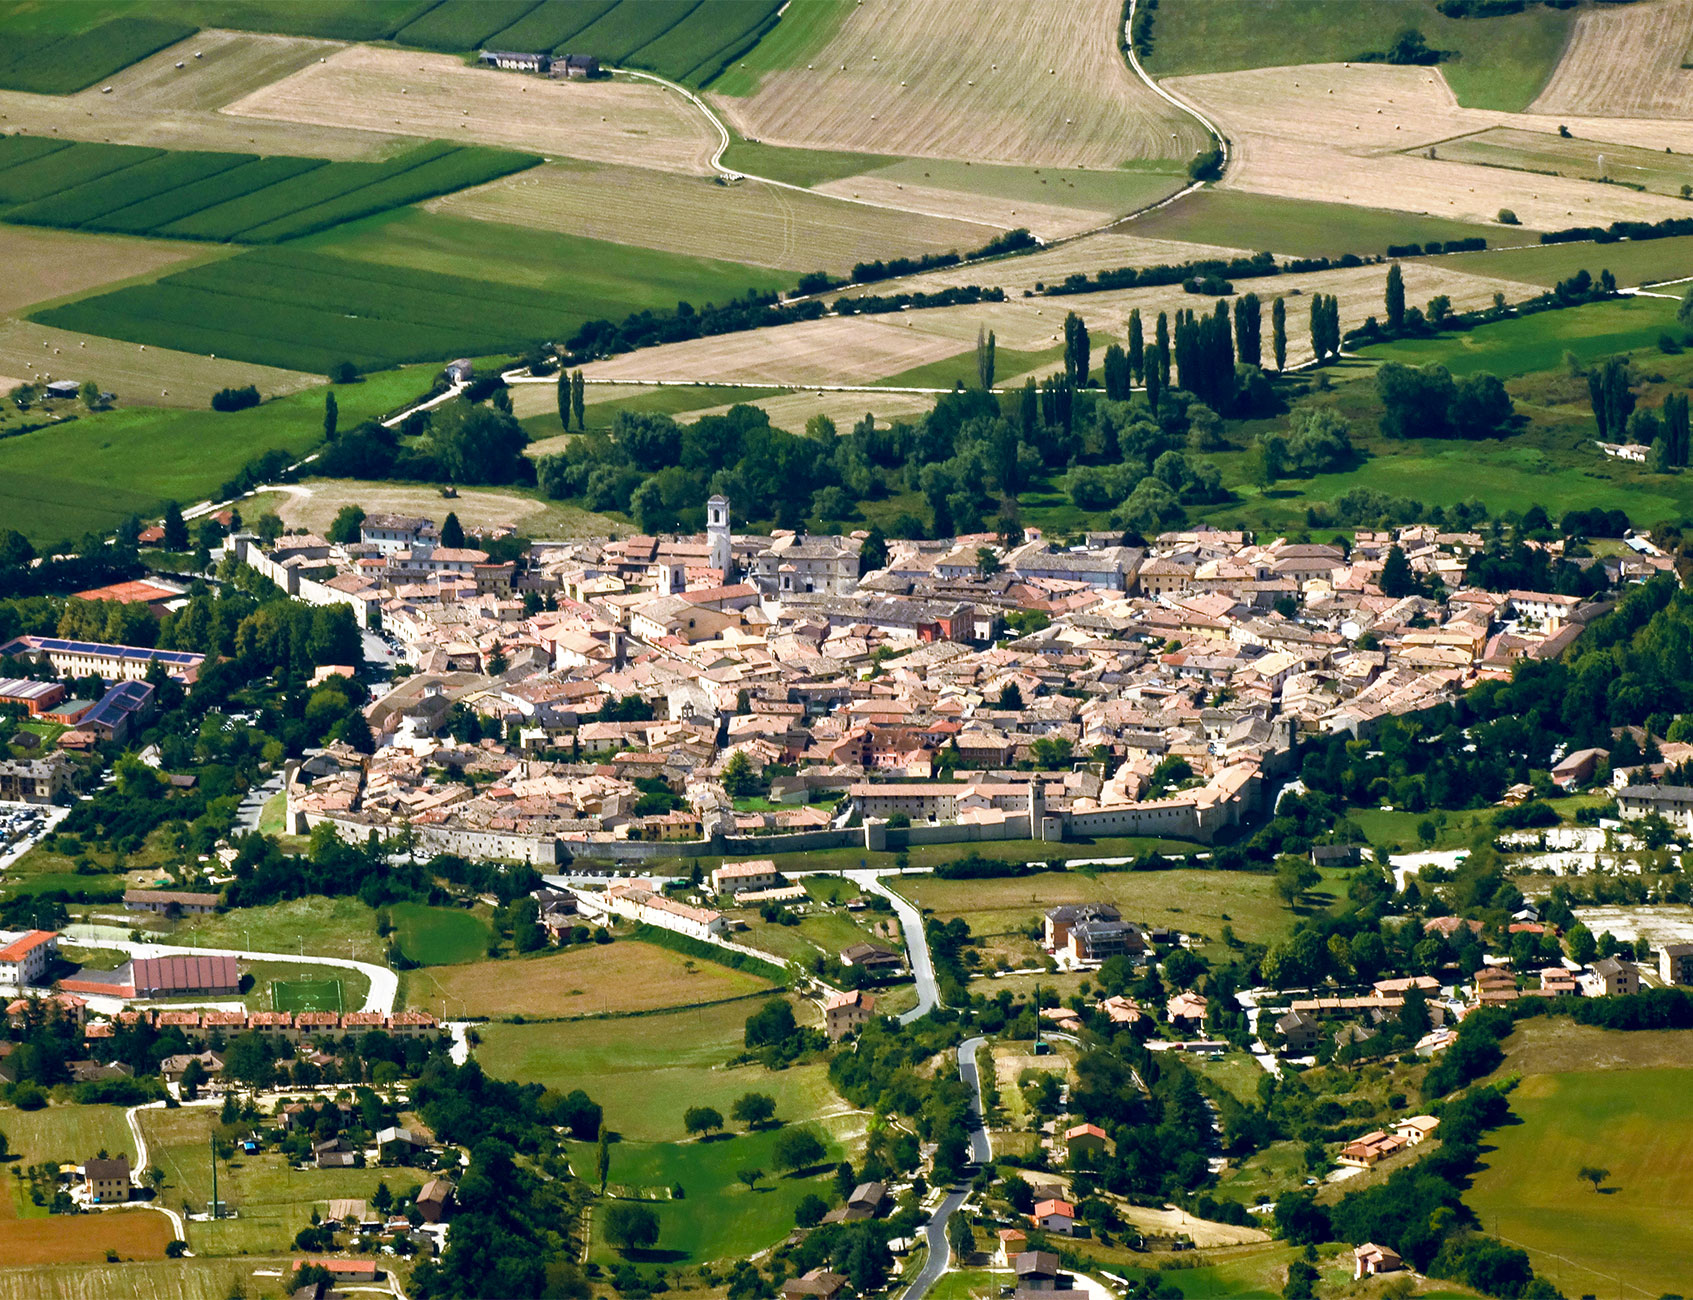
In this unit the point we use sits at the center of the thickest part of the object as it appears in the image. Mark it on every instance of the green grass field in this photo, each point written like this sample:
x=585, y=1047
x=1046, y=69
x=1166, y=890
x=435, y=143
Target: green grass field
x=1119, y=190
x=719, y=1217
x=440, y=936
x=317, y=926
x=306, y=995
x=61, y=63
x=1634, y=1237
x=66, y=1134
x=805, y=167
x=806, y=27
x=1538, y=342
x=1503, y=61
x=1299, y=227
x=645, y=1070
x=64, y=481
x=405, y=286
x=344, y=20
x=1633, y=262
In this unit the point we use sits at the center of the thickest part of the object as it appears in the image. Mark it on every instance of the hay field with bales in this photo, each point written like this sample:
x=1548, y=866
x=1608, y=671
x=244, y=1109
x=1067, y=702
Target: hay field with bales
x=1625, y=61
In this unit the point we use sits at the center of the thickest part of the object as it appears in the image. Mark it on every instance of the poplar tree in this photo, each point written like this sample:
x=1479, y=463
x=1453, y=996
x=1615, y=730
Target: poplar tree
x=1117, y=380
x=1395, y=298
x=1137, y=347
x=1161, y=336
x=984, y=357
x=331, y=415
x=1157, y=367
x=578, y=399
x=1278, y=334
x=564, y=397
x=1076, y=351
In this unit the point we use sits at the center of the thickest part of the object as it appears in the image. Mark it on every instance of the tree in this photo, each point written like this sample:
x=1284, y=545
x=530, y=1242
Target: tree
x=873, y=550
x=1294, y=875
x=344, y=530
x=749, y=1176
x=578, y=390
x=1011, y=697
x=739, y=780
x=193, y=1075
x=564, y=387
x=1592, y=1174
x=1396, y=577
x=1684, y=313
x=602, y=1158
x=331, y=415
x=960, y=1236
x=452, y=532
x=1076, y=351
x=810, y=1211
x=1278, y=333
x=90, y=394
x=984, y=358
x=630, y=1226
x=1137, y=347
x=176, y=531
x=1119, y=381
x=702, y=1119
x=797, y=1148
x=1395, y=298
x=1611, y=398
x=987, y=563
x=754, y=1109
x=382, y=1198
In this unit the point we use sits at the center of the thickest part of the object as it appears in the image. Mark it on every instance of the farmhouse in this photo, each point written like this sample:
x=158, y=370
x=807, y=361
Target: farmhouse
x=510, y=61
x=169, y=901
x=734, y=877
x=816, y=1284
x=873, y=961
x=107, y=1181
x=1371, y=1260
x=847, y=1013
x=1366, y=1151
x=1084, y=1139
x=1055, y=1216
x=575, y=65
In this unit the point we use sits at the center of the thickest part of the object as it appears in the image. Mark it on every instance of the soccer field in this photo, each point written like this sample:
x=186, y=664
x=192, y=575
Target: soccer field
x=306, y=995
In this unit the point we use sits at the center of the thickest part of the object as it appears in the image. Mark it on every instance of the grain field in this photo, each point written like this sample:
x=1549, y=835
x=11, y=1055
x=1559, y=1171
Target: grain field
x=748, y=222
x=216, y=68
x=435, y=95
x=1031, y=84
x=42, y=264
x=1339, y=133
x=1625, y=62
x=1048, y=220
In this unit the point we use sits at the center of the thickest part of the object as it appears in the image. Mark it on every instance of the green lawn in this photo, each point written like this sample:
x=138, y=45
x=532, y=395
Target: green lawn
x=307, y=995
x=90, y=475
x=718, y=1217
x=1456, y=828
x=317, y=926
x=1633, y=262
x=1504, y=61
x=646, y=1070
x=1636, y=1123
x=1119, y=190
x=1300, y=227
x=1538, y=342
x=65, y=1134
x=440, y=936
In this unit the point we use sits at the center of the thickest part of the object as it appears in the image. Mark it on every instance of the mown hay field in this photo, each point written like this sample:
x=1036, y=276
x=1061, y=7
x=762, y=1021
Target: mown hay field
x=1537, y=151
x=589, y=979
x=1355, y=134
x=1292, y=227
x=218, y=67
x=45, y=264
x=1626, y=62
x=743, y=222
x=439, y=96
x=793, y=411
x=59, y=63
x=135, y=1233
x=893, y=78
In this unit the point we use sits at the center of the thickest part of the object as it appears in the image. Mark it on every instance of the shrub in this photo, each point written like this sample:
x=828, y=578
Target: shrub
x=235, y=399
x=1508, y=218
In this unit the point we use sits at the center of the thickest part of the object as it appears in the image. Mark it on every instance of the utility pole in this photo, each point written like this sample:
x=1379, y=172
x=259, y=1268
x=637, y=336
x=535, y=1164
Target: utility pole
x=217, y=1209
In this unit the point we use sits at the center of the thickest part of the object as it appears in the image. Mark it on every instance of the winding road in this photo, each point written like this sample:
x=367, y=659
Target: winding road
x=916, y=942
x=981, y=1151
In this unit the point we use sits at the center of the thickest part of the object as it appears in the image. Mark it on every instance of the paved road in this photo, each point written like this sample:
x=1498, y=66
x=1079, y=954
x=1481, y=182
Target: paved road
x=384, y=984
x=916, y=943
x=940, y=1250
x=253, y=802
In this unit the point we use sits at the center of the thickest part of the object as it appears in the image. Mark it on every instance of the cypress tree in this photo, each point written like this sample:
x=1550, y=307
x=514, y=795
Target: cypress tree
x=1137, y=347
x=1029, y=411
x=984, y=358
x=578, y=392
x=1117, y=382
x=1161, y=335
x=1395, y=298
x=1278, y=333
x=564, y=386
x=1249, y=329
x=331, y=415
x=1157, y=368
x=1076, y=351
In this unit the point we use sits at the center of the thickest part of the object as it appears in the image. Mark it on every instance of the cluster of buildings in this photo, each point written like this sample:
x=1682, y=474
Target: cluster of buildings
x=1155, y=691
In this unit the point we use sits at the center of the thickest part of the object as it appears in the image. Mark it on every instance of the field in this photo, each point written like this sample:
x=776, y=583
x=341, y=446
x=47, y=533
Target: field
x=1196, y=902
x=1023, y=91
x=370, y=294
x=1297, y=227
x=1625, y=62
x=1053, y=202
x=314, y=504
x=1536, y=151
x=346, y=20
x=91, y=474
x=47, y=264
x=1352, y=134
x=218, y=68
x=592, y=979
x=1504, y=62
x=792, y=411
x=306, y=995
x=194, y=194
x=1539, y=342
x=63, y=1239
x=719, y=1217
x=323, y=927
x=1636, y=1123
x=271, y=1201
x=65, y=1134
x=369, y=89
x=646, y=1070
x=177, y=1279
x=439, y=936
x=1632, y=262
x=744, y=222
x=52, y=63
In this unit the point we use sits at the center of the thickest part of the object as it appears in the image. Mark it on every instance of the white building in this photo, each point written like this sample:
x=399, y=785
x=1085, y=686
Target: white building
x=718, y=536
x=25, y=957
x=666, y=913
x=738, y=877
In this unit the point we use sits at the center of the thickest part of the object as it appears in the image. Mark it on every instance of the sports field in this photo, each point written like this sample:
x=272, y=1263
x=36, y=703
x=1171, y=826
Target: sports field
x=306, y=995
x=746, y=222
x=439, y=936
x=1638, y=1124
x=1504, y=60
x=1625, y=62
x=645, y=1070
x=890, y=78
x=589, y=979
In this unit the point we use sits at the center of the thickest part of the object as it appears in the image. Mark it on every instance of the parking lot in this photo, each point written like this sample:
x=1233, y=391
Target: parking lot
x=22, y=825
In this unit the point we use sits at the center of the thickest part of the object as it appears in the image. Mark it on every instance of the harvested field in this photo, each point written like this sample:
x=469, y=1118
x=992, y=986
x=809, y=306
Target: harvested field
x=745, y=222
x=1535, y=151
x=218, y=67
x=437, y=95
x=792, y=410
x=1340, y=133
x=1556, y=1045
x=1024, y=90
x=314, y=505
x=140, y=376
x=592, y=979
x=45, y=264
x=849, y=351
x=1625, y=62
x=85, y=1239
x=542, y=399
x=1047, y=220
x=177, y=1279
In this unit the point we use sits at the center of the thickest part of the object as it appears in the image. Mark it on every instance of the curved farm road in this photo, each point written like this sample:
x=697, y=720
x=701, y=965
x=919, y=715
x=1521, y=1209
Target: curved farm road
x=940, y=1251
x=916, y=942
